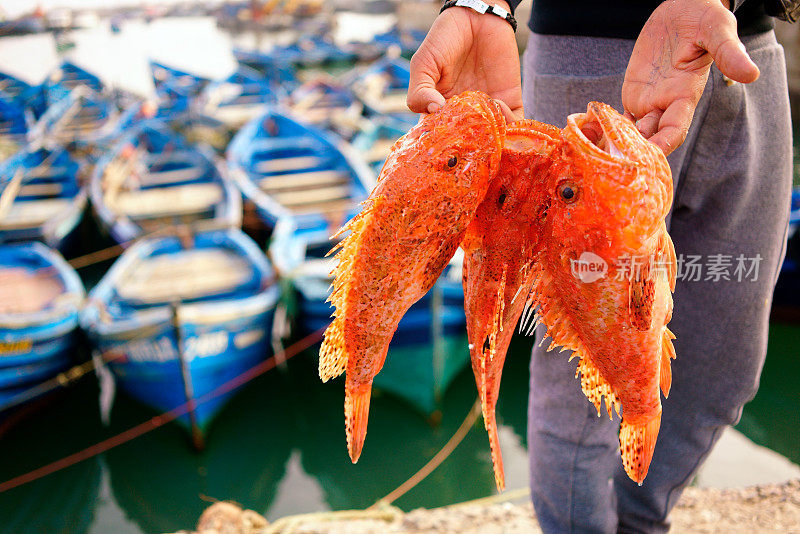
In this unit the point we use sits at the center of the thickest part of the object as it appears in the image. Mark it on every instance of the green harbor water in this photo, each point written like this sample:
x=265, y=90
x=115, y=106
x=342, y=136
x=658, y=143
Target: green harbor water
x=278, y=448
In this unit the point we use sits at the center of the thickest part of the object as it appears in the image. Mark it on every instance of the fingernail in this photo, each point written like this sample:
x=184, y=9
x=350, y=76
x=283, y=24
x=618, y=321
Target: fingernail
x=433, y=107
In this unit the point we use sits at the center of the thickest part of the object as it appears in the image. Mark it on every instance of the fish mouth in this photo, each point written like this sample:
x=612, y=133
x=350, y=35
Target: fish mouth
x=604, y=135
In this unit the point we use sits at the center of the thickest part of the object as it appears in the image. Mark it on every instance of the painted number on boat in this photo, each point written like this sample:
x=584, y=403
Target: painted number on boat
x=15, y=347
x=163, y=349
x=204, y=345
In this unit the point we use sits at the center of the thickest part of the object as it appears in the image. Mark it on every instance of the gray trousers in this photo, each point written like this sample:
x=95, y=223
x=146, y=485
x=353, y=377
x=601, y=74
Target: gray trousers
x=732, y=182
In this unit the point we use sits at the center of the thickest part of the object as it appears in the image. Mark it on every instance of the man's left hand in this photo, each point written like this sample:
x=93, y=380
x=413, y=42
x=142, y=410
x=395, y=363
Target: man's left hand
x=669, y=66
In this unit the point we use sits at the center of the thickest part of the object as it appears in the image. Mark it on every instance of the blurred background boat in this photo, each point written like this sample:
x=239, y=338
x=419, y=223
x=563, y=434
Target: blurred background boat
x=40, y=296
x=290, y=169
x=382, y=88
x=374, y=141
x=152, y=179
x=41, y=199
x=178, y=316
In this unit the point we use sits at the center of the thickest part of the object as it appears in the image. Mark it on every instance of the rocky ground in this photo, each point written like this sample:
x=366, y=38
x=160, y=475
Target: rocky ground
x=772, y=508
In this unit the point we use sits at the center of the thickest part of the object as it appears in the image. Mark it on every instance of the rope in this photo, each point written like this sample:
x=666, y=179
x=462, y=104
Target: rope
x=159, y=420
x=434, y=462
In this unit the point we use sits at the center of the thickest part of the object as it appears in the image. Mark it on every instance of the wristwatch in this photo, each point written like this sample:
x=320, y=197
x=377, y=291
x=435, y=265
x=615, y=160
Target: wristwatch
x=482, y=7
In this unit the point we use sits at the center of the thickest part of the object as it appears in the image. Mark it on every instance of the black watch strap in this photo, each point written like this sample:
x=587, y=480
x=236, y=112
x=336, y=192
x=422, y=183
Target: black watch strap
x=482, y=7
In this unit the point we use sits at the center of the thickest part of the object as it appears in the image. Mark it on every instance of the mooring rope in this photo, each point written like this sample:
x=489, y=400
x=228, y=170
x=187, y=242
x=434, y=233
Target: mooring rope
x=436, y=461
x=161, y=419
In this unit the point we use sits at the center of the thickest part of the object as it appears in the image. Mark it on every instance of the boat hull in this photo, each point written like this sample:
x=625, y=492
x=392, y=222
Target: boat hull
x=35, y=347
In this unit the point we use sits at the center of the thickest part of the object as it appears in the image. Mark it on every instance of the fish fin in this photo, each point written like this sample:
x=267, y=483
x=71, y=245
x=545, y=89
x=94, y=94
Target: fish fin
x=668, y=258
x=595, y=387
x=667, y=354
x=636, y=445
x=356, y=413
x=490, y=422
x=641, y=295
x=332, y=354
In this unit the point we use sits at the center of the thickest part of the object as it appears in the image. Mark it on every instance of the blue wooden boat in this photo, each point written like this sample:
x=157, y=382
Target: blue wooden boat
x=383, y=88
x=43, y=198
x=408, y=41
x=165, y=77
x=22, y=93
x=375, y=141
x=238, y=98
x=326, y=103
x=14, y=126
x=67, y=77
x=288, y=169
x=41, y=296
x=178, y=316
x=311, y=51
x=81, y=119
x=152, y=178
x=277, y=71
x=428, y=348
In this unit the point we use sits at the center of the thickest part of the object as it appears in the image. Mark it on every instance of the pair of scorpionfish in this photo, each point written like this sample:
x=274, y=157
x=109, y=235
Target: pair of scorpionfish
x=528, y=203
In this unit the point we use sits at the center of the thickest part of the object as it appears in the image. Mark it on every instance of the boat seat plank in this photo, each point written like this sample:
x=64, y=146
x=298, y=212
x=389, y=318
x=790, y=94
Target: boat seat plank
x=338, y=206
x=304, y=180
x=295, y=163
x=31, y=213
x=312, y=196
x=172, y=176
x=316, y=115
x=168, y=201
x=40, y=190
x=279, y=143
x=185, y=275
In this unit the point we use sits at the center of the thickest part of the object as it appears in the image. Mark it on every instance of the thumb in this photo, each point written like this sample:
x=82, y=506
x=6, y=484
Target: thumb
x=422, y=94
x=719, y=38
x=424, y=99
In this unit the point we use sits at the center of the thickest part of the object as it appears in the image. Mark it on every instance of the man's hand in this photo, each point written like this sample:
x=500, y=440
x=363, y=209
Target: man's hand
x=465, y=50
x=669, y=66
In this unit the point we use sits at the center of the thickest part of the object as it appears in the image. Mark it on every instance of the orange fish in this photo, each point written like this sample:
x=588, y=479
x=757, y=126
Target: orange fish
x=499, y=253
x=605, y=271
x=411, y=225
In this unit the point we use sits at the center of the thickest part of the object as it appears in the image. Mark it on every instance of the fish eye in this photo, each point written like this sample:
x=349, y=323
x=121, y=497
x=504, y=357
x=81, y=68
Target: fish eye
x=568, y=192
x=452, y=162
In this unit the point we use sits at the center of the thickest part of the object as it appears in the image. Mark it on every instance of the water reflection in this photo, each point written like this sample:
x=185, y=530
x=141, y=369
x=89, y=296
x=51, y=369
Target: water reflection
x=163, y=486
x=64, y=501
x=399, y=442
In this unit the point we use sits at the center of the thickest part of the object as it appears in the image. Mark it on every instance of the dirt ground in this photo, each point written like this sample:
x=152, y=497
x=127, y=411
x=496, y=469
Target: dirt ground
x=773, y=508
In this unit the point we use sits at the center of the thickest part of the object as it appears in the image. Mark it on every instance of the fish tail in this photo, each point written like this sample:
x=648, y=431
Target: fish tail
x=356, y=414
x=636, y=445
x=490, y=422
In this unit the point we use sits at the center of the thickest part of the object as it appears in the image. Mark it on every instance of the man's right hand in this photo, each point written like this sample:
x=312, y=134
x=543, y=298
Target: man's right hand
x=465, y=50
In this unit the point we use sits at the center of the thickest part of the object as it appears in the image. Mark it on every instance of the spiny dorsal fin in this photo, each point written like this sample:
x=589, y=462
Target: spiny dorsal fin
x=668, y=258
x=595, y=387
x=667, y=354
x=333, y=354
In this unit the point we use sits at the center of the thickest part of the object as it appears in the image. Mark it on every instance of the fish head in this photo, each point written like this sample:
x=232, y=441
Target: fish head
x=613, y=188
x=452, y=153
